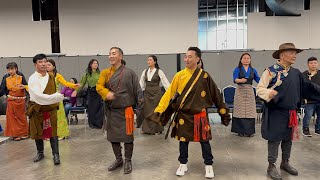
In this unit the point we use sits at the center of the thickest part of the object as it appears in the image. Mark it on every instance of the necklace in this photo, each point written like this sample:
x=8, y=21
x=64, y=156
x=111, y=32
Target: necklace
x=116, y=86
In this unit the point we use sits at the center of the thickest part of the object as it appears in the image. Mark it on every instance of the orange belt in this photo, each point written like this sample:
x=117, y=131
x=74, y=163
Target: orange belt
x=129, y=120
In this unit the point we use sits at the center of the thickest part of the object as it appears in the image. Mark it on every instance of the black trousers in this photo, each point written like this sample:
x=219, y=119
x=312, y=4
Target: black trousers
x=206, y=152
x=273, y=147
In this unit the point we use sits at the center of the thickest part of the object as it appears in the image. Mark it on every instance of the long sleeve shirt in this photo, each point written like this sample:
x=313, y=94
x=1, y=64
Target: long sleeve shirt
x=236, y=73
x=90, y=79
x=178, y=83
x=162, y=76
x=62, y=81
x=36, y=85
x=104, y=77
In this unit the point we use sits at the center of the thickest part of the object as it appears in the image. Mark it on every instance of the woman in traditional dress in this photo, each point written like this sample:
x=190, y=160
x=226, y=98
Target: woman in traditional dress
x=62, y=123
x=149, y=82
x=16, y=120
x=244, y=113
x=95, y=104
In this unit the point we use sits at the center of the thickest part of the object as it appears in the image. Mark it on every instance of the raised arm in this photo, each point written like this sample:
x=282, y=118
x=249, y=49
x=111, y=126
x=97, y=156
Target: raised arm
x=262, y=89
x=172, y=89
x=62, y=81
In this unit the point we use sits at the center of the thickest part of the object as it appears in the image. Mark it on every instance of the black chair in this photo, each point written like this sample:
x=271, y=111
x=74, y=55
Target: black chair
x=80, y=108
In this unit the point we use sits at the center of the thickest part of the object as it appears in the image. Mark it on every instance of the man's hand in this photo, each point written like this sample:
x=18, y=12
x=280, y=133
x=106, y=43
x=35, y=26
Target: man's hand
x=78, y=85
x=110, y=96
x=273, y=93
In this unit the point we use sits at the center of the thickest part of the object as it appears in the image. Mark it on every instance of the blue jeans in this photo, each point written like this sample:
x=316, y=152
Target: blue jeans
x=309, y=109
x=67, y=108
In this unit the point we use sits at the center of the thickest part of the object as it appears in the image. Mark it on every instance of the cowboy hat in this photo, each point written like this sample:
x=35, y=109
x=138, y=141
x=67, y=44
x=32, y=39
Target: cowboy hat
x=285, y=47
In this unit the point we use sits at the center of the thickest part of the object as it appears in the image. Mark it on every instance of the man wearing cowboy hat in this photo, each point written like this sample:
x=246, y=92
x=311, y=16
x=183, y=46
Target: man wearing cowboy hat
x=283, y=87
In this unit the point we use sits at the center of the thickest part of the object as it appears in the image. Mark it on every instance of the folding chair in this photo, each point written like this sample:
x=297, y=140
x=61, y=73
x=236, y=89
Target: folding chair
x=228, y=96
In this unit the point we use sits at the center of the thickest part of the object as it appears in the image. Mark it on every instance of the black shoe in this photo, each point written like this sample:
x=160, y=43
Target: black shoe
x=127, y=167
x=317, y=132
x=306, y=132
x=54, y=142
x=272, y=172
x=116, y=147
x=115, y=165
x=39, y=157
x=56, y=159
x=288, y=168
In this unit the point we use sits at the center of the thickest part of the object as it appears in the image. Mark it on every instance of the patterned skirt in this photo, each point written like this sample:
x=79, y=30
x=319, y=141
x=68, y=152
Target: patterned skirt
x=244, y=112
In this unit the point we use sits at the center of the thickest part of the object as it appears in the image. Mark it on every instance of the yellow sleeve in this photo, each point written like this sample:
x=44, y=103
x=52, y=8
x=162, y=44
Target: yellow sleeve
x=62, y=81
x=100, y=86
x=172, y=89
x=26, y=87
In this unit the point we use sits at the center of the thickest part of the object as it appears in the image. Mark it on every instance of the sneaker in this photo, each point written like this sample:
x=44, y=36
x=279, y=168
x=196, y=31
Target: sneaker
x=182, y=169
x=306, y=132
x=209, y=172
x=317, y=132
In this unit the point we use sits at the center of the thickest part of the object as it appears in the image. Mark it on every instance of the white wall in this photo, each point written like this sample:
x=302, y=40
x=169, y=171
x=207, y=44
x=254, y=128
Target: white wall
x=137, y=26
x=19, y=35
x=268, y=32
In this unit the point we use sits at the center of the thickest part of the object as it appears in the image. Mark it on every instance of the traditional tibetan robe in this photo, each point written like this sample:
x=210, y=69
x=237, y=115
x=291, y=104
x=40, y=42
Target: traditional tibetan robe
x=244, y=111
x=149, y=82
x=16, y=120
x=124, y=83
x=279, y=120
x=43, y=118
x=192, y=122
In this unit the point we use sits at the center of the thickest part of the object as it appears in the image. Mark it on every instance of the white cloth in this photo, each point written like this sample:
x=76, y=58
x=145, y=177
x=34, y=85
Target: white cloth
x=150, y=74
x=36, y=85
x=262, y=88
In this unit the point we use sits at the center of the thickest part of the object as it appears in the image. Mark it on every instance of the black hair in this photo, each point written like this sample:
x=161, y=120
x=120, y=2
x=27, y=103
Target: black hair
x=12, y=65
x=75, y=80
x=89, y=69
x=240, y=63
x=312, y=59
x=55, y=71
x=38, y=57
x=195, y=49
x=155, y=59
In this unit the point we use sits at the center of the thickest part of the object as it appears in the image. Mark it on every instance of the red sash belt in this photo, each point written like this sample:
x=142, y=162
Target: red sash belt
x=47, y=129
x=201, y=117
x=293, y=123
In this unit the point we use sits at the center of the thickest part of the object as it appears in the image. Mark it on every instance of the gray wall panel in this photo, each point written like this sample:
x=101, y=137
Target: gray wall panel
x=220, y=66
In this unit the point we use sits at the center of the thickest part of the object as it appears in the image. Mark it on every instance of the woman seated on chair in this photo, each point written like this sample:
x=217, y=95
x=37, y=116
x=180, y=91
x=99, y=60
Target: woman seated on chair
x=70, y=97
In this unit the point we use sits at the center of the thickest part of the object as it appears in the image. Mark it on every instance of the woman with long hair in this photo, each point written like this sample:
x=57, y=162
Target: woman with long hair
x=244, y=113
x=95, y=104
x=62, y=123
x=149, y=82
